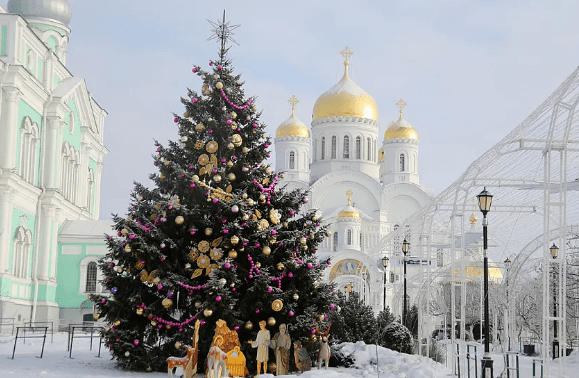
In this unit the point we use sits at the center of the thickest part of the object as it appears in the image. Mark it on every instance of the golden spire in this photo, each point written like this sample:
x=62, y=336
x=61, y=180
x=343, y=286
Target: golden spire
x=346, y=53
x=349, y=193
x=401, y=104
x=473, y=218
x=294, y=101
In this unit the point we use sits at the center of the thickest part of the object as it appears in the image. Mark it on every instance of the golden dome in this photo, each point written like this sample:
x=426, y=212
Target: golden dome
x=345, y=99
x=292, y=126
x=349, y=211
x=401, y=128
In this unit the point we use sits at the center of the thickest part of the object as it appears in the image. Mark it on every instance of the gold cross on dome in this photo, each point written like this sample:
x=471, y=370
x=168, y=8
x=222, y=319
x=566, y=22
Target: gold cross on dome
x=294, y=101
x=349, y=193
x=401, y=104
x=346, y=53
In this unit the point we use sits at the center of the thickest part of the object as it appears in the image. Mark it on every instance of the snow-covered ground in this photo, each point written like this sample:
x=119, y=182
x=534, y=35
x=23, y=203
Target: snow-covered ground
x=369, y=362
x=56, y=363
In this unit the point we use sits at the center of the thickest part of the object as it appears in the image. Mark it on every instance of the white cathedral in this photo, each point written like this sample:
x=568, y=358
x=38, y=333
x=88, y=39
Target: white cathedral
x=364, y=186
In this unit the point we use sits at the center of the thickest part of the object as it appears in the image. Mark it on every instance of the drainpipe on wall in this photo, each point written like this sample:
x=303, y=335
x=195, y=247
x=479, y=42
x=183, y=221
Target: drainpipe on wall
x=39, y=208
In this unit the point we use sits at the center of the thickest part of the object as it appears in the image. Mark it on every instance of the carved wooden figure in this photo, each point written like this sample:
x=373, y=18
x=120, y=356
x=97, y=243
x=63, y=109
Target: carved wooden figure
x=324, y=353
x=217, y=360
x=181, y=365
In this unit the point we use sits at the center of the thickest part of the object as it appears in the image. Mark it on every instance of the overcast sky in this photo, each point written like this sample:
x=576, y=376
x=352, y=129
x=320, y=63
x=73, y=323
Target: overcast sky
x=470, y=71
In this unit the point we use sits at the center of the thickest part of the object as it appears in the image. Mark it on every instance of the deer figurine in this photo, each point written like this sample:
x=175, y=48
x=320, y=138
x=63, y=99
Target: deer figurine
x=181, y=363
x=324, y=353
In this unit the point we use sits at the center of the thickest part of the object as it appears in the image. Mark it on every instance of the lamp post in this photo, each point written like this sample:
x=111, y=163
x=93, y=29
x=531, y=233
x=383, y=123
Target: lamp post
x=405, y=248
x=364, y=284
x=385, y=261
x=484, y=202
x=554, y=254
x=348, y=289
x=508, y=326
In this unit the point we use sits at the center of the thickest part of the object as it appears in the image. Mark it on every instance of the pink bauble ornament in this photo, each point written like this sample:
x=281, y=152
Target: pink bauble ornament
x=292, y=212
x=175, y=119
x=332, y=306
x=136, y=342
x=310, y=266
x=218, y=298
x=160, y=286
x=291, y=313
x=229, y=122
x=194, y=100
x=219, y=68
x=236, y=328
x=305, y=200
x=194, y=70
x=210, y=63
x=257, y=310
x=269, y=289
x=273, y=232
x=227, y=265
x=313, y=331
x=266, y=145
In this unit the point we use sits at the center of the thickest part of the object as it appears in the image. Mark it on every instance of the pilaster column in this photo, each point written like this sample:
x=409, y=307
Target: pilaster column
x=6, y=207
x=59, y=172
x=50, y=156
x=97, y=190
x=44, y=249
x=9, y=127
x=85, y=150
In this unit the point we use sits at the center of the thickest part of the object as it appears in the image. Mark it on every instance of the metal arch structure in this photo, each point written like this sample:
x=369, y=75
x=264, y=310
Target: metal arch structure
x=533, y=174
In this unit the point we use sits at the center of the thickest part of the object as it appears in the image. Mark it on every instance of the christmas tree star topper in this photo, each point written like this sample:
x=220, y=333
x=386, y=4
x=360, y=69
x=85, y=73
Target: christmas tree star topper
x=223, y=31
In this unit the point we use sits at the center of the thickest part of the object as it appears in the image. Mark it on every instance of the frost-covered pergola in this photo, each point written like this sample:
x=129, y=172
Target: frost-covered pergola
x=533, y=174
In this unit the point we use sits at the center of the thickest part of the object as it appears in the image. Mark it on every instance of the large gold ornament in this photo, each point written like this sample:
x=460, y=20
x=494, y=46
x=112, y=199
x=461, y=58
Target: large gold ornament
x=249, y=326
x=203, y=246
x=274, y=216
x=233, y=254
x=96, y=316
x=124, y=232
x=198, y=145
x=179, y=220
x=208, y=231
x=277, y=305
x=203, y=159
x=271, y=322
x=128, y=248
x=234, y=240
x=266, y=250
x=236, y=140
x=167, y=303
x=207, y=312
x=203, y=261
x=212, y=147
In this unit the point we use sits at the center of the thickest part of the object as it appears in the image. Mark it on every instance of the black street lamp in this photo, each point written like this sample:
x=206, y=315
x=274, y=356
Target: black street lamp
x=484, y=202
x=554, y=254
x=405, y=249
x=385, y=261
x=508, y=327
x=348, y=289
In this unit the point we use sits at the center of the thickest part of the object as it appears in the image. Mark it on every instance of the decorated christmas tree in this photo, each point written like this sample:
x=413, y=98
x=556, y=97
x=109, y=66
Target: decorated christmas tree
x=216, y=238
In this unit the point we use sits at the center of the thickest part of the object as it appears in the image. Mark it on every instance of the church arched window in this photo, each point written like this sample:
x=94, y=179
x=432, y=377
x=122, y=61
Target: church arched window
x=323, y=148
x=22, y=243
x=69, y=172
x=91, y=277
x=369, y=148
x=358, y=147
x=335, y=247
x=349, y=237
x=402, y=162
x=28, y=146
x=346, y=147
x=292, y=160
x=334, y=142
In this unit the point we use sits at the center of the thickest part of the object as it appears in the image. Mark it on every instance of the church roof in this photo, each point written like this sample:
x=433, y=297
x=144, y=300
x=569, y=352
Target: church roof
x=292, y=126
x=58, y=10
x=401, y=128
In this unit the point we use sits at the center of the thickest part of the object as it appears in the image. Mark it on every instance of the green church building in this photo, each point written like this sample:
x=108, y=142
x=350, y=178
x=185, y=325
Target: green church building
x=51, y=159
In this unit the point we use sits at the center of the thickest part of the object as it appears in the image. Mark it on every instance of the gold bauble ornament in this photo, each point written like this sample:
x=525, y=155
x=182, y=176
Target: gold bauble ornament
x=233, y=115
x=219, y=85
x=285, y=224
x=303, y=240
x=166, y=162
x=124, y=232
x=128, y=248
x=231, y=177
x=208, y=231
x=139, y=311
x=268, y=171
x=117, y=323
x=245, y=150
x=168, y=326
x=96, y=316
x=249, y=326
x=186, y=115
x=258, y=265
x=197, y=304
x=207, y=312
x=250, y=202
x=234, y=240
x=233, y=254
x=328, y=234
x=178, y=345
x=245, y=217
x=266, y=250
x=200, y=127
x=195, y=178
x=230, y=146
x=229, y=164
x=244, y=196
x=162, y=177
x=277, y=305
x=167, y=302
x=237, y=140
x=313, y=338
x=314, y=218
x=296, y=297
x=187, y=266
x=217, y=179
x=179, y=220
x=153, y=323
x=280, y=266
x=321, y=318
x=271, y=322
x=262, y=199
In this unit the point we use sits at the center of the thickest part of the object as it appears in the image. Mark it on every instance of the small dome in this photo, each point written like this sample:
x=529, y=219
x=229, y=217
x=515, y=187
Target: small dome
x=345, y=99
x=401, y=128
x=349, y=211
x=381, y=153
x=58, y=10
x=292, y=126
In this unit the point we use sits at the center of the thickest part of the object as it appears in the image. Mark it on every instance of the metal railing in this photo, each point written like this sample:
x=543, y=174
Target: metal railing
x=32, y=329
x=509, y=367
